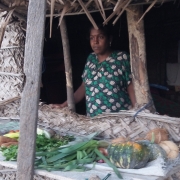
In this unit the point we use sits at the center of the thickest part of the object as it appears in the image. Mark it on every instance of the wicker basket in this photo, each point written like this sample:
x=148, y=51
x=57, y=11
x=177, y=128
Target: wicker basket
x=108, y=125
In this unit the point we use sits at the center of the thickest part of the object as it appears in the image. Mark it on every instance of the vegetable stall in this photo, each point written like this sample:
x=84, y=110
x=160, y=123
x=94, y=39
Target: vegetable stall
x=146, y=141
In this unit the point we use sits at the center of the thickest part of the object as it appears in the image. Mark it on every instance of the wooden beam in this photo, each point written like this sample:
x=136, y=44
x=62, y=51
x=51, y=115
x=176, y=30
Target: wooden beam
x=138, y=57
x=68, y=67
x=30, y=96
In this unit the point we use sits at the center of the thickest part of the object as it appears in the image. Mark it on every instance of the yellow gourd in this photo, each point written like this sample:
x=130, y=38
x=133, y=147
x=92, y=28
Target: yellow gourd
x=171, y=149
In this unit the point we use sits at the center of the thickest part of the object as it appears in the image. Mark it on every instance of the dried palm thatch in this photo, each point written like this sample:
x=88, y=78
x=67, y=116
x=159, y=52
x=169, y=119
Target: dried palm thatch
x=10, y=108
x=61, y=8
x=108, y=125
x=11, y=67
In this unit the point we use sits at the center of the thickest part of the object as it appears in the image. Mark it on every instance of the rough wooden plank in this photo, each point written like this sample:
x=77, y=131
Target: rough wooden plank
x=68, y=67
x=138, y=56
x=30, y=95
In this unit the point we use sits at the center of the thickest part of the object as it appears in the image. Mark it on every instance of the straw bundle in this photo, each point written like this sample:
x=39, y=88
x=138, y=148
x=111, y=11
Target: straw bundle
x=108, y=125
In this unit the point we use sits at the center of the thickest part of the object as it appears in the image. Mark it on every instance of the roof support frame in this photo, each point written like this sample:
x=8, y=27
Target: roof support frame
x=30, y=96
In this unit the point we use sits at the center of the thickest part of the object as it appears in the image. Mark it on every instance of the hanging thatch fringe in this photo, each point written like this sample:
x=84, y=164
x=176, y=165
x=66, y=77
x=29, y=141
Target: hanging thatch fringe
x=100, y=8
x=117, y=4
x=118, y=8
x=87, y=5
x=51, y=18
x=114, y=22
x=65, y=9
x=88, y=14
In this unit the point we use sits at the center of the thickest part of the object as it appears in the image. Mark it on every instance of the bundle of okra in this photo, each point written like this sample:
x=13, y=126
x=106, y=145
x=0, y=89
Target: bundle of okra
x=72, y=157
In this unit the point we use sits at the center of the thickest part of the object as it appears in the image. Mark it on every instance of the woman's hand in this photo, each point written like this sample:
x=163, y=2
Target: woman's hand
x=59, y=106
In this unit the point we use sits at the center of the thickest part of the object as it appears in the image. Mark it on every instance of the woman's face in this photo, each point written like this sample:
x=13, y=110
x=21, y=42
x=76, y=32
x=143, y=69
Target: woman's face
x=99, y=42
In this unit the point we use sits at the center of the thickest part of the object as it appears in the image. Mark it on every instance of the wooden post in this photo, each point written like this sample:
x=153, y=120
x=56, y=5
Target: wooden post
x=30, y=96
x=68, y=67
x=138, y=56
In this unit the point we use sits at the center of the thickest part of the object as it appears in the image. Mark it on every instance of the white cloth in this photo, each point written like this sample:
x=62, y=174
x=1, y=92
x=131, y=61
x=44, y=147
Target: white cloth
x=173, y=74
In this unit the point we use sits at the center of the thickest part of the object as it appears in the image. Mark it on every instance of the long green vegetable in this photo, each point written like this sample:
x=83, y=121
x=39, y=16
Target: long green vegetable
x=73, y=158
x=68, y=158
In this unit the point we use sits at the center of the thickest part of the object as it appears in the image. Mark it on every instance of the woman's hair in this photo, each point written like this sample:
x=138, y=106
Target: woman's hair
x=106, y=29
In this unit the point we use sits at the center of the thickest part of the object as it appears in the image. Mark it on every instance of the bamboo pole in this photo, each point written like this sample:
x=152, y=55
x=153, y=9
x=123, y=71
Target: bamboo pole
x=68, y=67
x=138, y=57
x=30, y=96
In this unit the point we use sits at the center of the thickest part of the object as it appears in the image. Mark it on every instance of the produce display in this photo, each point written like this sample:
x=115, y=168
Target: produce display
x=56, y=153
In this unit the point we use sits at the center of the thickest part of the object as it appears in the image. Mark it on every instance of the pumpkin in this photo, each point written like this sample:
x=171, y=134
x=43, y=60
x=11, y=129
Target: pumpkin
x=159, y=135
x=171, y=149
x=118, y=140
x=128, y=155
x=155, y=150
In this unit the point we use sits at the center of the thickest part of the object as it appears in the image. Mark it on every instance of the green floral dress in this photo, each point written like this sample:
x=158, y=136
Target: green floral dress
x=106, y=83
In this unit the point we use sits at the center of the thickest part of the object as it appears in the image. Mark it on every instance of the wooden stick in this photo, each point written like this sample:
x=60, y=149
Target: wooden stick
x=76, y=13
x=114, y=12
x=101, y=5
x=9, y=100
x=114, y=22
x=117, y=4
x=86, y=5
x=65, y=9
x=51, y=17
x=138, y=57
x=88, y=14
x=147, y=10
x=68, y=67
x=98, y=7
x=73, y=2
x=112, y=2
x=30, y=96
x=61, y=1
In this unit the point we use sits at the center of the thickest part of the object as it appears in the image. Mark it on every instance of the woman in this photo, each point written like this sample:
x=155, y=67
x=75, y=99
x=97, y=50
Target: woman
x=107, y=82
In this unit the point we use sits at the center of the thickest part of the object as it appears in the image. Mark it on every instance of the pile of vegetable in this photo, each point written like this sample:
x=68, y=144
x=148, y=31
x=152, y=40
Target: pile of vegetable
x=56, y=154
x=9, y=146
x=73, y=157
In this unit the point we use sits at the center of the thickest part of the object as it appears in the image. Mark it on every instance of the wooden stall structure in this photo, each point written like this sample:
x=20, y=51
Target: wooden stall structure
x=36, y=11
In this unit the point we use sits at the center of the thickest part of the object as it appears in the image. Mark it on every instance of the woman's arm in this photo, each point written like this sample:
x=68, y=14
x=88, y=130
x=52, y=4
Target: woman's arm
x=78, y=96
x=131, y=93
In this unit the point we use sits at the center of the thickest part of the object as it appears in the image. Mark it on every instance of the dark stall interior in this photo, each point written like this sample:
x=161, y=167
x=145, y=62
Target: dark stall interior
x=162, y=33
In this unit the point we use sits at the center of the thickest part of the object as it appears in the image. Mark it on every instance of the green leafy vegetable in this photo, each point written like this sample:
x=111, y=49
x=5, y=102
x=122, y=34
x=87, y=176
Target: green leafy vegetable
x=45, y=144
x=42, y=144
x=10, y=153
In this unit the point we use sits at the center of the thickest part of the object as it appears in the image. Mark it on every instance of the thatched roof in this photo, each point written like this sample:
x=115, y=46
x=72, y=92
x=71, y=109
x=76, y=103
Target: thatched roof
x=61, y=8
x=76, y=7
